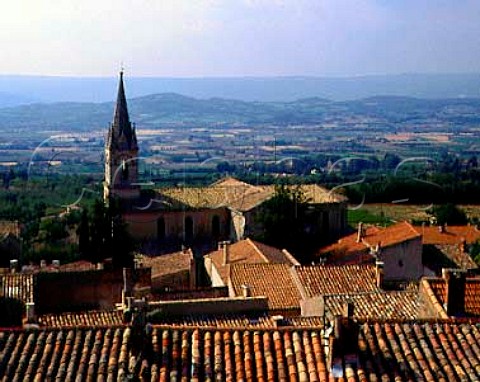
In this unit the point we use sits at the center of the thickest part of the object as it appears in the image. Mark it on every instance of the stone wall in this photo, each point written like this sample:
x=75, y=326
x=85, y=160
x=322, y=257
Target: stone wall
x=231, y=305
x=89, y=290
x=145, y=225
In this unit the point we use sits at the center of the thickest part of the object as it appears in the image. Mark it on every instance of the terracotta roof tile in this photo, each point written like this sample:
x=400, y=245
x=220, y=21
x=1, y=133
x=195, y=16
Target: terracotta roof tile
x=460, y=258
x=393, y=350
x=240, y=321
x=376, y=305
x=237, y=195
x=372, y=236
x=472, y=294
x=91, y=318
x=248, y=251
x=275, y=281
x=419, y=351
x=450, y=235
x=330, y=279
x=167, y=264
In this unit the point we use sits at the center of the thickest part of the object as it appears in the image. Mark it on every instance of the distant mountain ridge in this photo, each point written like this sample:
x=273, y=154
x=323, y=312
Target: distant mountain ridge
x=26, y=89
x=158, y=110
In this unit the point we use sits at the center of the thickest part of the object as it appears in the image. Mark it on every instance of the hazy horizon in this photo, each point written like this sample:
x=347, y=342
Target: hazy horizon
x=240, y=39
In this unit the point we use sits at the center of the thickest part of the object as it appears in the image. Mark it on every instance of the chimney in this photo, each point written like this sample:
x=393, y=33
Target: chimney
x=455, y=280
x=30, y=310
x=43, y=263
x=441, y=228
x=379, y=274
x=246, y=291
x=344, y=342
x=360, y=232
x=348, y=310
x=56, y=264
x=463, y=245
x=13, y=265
x=277, y=321
x=226, y=252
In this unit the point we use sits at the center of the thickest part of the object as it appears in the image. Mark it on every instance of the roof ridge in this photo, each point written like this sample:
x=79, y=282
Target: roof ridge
x=298, y=283
x=256, y=249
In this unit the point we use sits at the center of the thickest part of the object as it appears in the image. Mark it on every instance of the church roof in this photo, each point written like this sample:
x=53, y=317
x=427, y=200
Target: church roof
x=240, y=196
x=121, y=130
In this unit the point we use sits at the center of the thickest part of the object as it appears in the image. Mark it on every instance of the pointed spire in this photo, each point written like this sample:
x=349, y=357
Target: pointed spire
x=121, y=125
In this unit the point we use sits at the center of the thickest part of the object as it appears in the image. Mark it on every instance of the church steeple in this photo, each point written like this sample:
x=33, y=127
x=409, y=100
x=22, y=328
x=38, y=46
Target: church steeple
x=121, y=125
x=121, y=151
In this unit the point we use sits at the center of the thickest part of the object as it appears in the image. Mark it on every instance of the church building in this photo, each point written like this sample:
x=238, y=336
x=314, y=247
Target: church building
x=224, y=210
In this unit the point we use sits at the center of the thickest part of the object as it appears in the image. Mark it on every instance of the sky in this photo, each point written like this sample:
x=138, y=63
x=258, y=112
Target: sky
x=225, y=38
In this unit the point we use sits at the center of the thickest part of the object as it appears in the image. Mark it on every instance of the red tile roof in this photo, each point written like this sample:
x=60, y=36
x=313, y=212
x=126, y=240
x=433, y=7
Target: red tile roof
x=375, y=305
x=415, y=351
x=372, y=236
x=457, y=254
x=91, y=318
x=275, y=281
x=249, y=251
x=241, y=321
x=238, y=195
x=175, y=354
x=450, y=235
x=167, y=264
x=472, y=295
x=330, y=279
x=387, y=351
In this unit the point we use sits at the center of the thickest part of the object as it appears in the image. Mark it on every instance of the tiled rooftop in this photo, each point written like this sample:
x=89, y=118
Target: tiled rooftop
x=472, y=294
x=19, y=286
x=241, y=321
x=248, y=251
x=449, y=235
x=457, y=256
x=175, y=354
x=167, y=264
x=90, y=318
x=275, y=281
x=375, y=305
x=237, y=195
x=76, y=266
x=417, y=351
x=387, y=351
x=371, y=237
x=329, y=279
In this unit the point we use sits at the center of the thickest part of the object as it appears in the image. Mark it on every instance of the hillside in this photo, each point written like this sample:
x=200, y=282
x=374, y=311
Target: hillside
x=172, y=109
x=27, y=89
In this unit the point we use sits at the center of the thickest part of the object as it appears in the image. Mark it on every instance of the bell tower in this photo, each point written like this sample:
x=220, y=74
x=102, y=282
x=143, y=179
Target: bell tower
x=121, y=152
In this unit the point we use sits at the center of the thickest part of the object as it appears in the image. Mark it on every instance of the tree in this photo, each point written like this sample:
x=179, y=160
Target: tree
x=449, y=214
x=83, y=233
x=108, y=236
x=284, y=221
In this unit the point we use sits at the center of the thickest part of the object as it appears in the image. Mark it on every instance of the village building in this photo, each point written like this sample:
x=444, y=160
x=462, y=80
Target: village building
x=246, y=251
x=448, y=246
x=398, y=248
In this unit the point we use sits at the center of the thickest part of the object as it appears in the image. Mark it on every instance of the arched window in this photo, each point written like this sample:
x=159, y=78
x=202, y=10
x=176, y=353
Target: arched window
x=215, y=226
x=161, y=228
x=188, y=228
